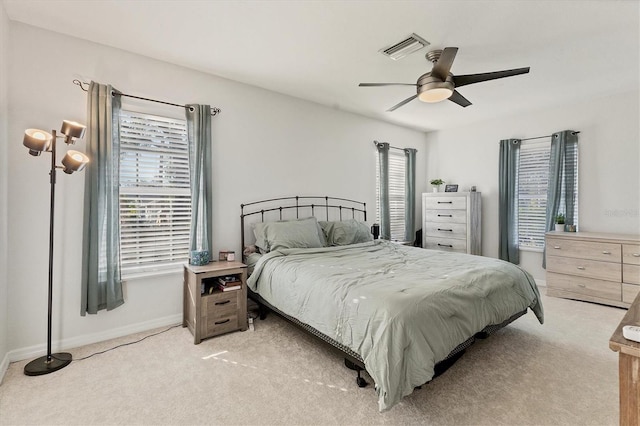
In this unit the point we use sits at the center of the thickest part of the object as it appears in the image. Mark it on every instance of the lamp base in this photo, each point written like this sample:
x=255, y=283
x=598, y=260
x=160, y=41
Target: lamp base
x=40, y=366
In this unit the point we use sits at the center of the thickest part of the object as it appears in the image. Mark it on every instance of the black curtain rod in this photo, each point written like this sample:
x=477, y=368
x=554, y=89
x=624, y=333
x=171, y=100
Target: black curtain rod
x=542, y=137
x=214, y=110
x=392, y=147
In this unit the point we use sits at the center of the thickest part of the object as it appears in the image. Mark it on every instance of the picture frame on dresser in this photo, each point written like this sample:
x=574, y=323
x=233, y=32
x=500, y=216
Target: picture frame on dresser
x=451, y=188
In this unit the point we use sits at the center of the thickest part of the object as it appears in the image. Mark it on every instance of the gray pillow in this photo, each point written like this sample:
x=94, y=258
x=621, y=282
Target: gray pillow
x=340, y=233
x=298, y=233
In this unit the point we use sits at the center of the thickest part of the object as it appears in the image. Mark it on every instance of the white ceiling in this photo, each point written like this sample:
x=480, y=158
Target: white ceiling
x=321, y=50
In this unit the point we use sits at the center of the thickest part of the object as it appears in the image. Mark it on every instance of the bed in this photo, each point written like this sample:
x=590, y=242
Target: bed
x=399, y=312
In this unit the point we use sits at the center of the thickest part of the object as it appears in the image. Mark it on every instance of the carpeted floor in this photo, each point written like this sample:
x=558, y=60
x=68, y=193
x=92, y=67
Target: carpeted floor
x=559, y=373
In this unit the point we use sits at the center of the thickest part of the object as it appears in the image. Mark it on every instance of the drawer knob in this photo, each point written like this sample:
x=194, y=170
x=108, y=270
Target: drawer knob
x=449, y=230
x=222, y=303
x=445, y=245
x=581, y=285
x=606, y=252
x=556, y=247
x=445, y=202
x=582, y=268
x=222, y=322
x=636, y=254
x=444, y=215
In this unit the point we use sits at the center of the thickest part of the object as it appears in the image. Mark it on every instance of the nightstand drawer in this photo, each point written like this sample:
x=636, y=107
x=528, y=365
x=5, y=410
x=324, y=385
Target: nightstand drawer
x=219, y=302
x=629, y=292
x=586, y=286
x=585, y=268
x=439, y=203
x=447, y=230
x=215, y=326
x=446, y=216
x=631, y=254
x=593, y=250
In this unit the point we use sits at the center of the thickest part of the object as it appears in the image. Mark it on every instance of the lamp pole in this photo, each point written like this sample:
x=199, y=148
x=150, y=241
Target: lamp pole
x=51, y=362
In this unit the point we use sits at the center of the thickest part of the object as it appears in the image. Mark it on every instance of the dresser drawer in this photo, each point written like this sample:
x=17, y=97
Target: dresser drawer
x=439, y=203
x=593, y=250
x=585, y=268
x=629, y=292
x=631, y=274
x=447, y=216
x=447, y=230
x=449, y=244
x=631, y=254
x=586, y=286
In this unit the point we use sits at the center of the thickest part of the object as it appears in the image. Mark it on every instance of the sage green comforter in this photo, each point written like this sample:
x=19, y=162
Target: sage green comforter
x=401, y=308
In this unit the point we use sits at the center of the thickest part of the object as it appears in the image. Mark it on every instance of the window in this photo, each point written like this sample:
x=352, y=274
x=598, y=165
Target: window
x=155, y=200
x=397, y=168
x=532, y=182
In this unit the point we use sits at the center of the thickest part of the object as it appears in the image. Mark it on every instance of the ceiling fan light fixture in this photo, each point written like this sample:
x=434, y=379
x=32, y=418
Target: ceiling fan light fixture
x=437, y=94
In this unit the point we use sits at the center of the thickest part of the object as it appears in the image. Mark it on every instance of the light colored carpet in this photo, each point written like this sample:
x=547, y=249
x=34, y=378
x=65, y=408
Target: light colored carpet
x=561, y=372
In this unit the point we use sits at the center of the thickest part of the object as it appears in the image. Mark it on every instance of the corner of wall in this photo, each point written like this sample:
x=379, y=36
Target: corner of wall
x=4, y=121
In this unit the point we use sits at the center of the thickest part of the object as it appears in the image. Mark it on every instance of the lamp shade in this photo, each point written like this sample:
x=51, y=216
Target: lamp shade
x=74, y=161
x=72, y=130
x=37, y=140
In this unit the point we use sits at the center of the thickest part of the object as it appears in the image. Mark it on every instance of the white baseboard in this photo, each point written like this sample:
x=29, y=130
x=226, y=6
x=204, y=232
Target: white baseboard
x=541, y=283
x=87, y=339
x=3, y=366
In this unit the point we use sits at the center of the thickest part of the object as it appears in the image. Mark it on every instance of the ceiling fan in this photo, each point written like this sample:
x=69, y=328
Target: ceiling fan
x=439, y=84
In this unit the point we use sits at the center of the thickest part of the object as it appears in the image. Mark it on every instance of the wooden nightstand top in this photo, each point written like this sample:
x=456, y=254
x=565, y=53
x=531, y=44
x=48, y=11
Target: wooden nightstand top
x=214, y=266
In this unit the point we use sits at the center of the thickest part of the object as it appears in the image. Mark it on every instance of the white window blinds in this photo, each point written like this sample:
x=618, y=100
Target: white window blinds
x=155, y=201
x=533, y=178
x=397, y=179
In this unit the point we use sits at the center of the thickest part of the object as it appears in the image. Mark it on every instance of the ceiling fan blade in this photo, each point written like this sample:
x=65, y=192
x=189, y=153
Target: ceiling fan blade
x=385, y=84
x=459, y=99
x=443, y=65
x=463, y=80
x=406, y=101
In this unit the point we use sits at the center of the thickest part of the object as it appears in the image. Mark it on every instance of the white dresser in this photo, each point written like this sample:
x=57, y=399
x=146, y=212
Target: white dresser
x=452, y=221
x=595, y=267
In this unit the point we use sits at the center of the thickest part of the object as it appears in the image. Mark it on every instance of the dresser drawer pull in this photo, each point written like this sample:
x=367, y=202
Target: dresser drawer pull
x=448, y=215
x=223, y=303
x=581, y=285
x=445, y=202
x=445, y=245
x=222, y=322
x=557, y=247
x=582, y=268
x=606, y=252
x=636, y=254
x=449, y=230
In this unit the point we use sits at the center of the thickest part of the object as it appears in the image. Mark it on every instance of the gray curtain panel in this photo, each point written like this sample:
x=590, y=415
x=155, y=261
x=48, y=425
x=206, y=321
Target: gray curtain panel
x=383, y=160
x=101, y=281
x=199, y=135
x=562, y=180
x=508, y=201
x=410, y=195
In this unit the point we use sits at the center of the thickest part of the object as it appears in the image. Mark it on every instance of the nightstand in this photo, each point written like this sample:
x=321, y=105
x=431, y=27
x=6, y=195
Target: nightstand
x=207, y=310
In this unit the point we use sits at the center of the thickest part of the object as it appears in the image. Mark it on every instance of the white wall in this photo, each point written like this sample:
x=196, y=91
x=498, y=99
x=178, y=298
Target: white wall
x=4, y=121
x=264, y=144
x=609, y=163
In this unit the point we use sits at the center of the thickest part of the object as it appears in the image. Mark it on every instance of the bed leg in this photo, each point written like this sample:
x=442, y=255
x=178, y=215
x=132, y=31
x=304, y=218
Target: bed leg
x=262, y=311
x=360, y=381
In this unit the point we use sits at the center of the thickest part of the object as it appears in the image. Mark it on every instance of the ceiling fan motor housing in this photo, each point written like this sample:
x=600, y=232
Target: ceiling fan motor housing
x=432, y=89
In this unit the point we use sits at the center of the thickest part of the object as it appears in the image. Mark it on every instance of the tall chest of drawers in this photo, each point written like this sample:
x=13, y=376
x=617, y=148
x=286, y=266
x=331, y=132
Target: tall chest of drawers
x=452, y=221
x=595, y=267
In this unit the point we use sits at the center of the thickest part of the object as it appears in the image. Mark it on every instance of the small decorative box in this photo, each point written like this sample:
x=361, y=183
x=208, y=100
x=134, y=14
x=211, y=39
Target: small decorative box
x=199, y=257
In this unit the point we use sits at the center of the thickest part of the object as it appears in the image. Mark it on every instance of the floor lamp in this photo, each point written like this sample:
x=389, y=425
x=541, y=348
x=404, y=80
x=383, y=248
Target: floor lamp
x=39, y=141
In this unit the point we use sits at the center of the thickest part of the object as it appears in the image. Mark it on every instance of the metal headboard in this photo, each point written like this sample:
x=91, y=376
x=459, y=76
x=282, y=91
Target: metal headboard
x=321, y=207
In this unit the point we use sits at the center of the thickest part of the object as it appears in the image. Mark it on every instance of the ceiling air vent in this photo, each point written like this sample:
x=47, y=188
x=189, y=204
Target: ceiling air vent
x=407, y=46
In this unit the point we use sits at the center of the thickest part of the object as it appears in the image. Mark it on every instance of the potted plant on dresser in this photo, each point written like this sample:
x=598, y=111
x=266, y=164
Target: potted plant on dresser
x=436, y=184
x=560, y=222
